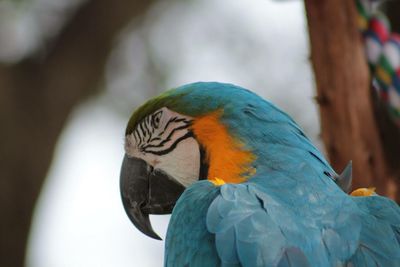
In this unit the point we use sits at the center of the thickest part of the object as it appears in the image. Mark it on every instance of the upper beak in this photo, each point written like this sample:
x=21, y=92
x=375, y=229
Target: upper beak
x=144, y=191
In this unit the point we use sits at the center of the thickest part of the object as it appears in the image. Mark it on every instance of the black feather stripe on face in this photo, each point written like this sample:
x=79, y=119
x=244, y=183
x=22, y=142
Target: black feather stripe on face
x=204, y=165
x=148, y=131
x=172, y=147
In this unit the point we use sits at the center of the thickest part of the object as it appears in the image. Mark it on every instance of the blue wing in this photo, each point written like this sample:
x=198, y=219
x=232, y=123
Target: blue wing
x=243, y=225
x=380, y=233
x=188, y=243
x=253, y=229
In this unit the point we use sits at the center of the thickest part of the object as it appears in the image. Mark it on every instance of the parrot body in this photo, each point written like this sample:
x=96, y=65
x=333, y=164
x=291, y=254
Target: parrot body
x=263, y=195
x=245, y=226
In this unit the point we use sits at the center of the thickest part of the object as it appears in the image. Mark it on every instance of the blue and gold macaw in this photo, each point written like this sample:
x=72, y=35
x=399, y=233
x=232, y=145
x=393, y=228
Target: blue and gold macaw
x=246, y=187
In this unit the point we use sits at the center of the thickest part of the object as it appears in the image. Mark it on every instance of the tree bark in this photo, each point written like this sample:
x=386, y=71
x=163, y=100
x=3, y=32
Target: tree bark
x=36, y=98
x=348, y=119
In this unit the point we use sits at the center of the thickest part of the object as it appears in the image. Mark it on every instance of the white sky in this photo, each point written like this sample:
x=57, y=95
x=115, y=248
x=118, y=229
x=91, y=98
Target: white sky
x=79, y=219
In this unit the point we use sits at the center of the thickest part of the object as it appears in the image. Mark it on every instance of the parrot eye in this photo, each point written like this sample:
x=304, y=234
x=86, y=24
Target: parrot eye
x=156, y=118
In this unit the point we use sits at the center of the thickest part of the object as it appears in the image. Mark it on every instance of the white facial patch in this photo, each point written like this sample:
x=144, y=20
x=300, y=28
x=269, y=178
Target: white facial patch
x=164, y=140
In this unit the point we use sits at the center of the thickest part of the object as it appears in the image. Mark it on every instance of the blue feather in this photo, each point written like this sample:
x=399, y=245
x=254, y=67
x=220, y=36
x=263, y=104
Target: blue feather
x=265, y=232
x=293, y=257
x=289, y=213
x=188, y=241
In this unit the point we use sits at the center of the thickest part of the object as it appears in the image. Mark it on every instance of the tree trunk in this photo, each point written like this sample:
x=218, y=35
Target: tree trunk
x=36, y=98
x=348, y=119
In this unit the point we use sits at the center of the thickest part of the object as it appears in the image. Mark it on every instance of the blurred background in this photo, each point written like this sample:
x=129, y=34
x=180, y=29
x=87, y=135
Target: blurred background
x=72, y=72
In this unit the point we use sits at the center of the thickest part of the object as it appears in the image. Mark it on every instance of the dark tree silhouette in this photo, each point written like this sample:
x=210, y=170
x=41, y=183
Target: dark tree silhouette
x=36, y=97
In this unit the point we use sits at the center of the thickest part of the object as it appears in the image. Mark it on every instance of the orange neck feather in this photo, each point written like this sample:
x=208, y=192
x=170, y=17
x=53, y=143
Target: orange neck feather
x=226, y=156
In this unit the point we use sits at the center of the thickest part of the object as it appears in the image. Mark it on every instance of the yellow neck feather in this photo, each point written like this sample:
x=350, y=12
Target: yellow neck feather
x=228, y=160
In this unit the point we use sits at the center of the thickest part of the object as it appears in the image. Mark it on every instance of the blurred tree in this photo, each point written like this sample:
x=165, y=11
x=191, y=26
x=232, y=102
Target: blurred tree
x=354, y=127
x=36, y=97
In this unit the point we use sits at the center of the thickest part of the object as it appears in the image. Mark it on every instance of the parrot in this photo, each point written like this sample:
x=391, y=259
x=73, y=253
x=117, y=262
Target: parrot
x=246, y=187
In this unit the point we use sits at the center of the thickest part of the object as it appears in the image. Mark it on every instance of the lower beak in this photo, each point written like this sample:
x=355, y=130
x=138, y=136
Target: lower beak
x=144, y=191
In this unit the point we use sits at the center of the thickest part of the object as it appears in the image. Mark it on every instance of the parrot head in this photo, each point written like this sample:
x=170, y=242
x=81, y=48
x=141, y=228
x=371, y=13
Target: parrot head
x=201, y=131
x=176, y=139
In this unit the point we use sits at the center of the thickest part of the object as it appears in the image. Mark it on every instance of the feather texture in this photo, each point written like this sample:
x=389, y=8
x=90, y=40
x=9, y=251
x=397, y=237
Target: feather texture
x=289, y=212
x=188, y=243
x=253, y=228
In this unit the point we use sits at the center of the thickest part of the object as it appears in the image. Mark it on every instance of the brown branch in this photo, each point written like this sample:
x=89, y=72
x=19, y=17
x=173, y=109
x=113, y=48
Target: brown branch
x=349, y=127
x=35, y=101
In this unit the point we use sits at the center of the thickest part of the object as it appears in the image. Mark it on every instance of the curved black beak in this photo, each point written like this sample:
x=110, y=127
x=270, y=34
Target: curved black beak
x=144, y=191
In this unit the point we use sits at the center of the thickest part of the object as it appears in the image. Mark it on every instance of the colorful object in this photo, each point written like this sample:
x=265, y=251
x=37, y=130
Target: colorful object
x=375, y=36
x=364, y=192
x=364, y=10
x=387, y=75
x=285, y=206
x=383, y=55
